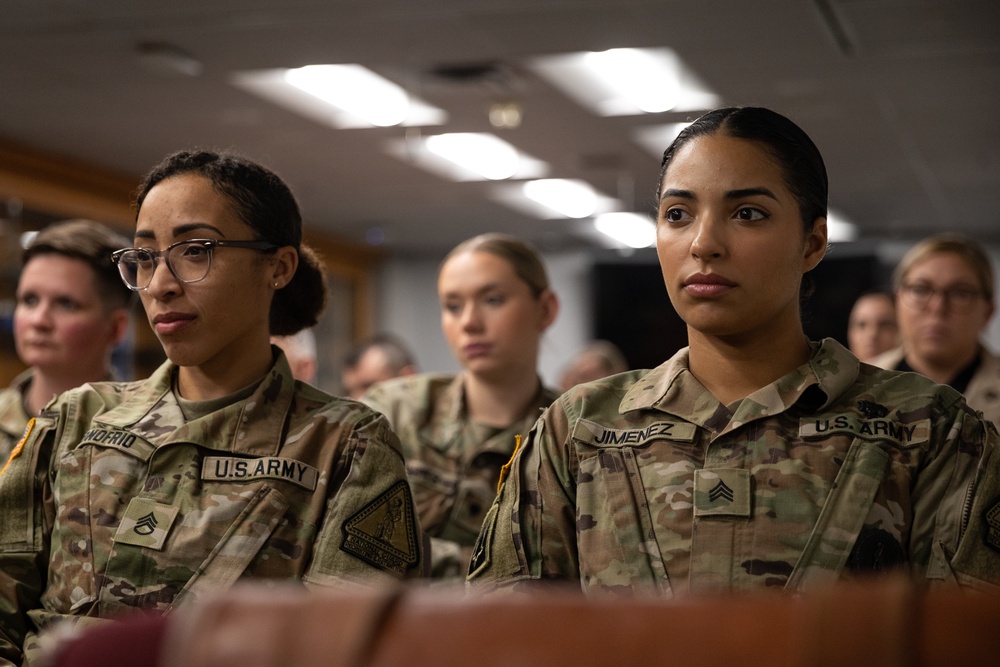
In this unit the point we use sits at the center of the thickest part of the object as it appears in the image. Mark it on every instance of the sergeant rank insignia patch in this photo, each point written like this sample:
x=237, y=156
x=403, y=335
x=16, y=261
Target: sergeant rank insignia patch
x=384, y=532
x=146, y=524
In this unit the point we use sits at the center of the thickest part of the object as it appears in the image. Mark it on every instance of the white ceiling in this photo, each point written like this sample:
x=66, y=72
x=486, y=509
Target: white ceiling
x=902, y=97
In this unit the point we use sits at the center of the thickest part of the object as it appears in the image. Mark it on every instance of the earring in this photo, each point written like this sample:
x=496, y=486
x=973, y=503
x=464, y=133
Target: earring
x=276, y=285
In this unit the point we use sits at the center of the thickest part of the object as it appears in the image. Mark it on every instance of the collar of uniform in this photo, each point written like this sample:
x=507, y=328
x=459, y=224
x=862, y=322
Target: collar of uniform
x=835, y=368
x=650, y=389
x=12, y=415
x=451, y=411
x=672, y=388
x=252, y=426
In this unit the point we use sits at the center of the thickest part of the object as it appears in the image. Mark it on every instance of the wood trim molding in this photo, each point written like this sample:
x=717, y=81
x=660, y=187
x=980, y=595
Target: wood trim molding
x=65, y=187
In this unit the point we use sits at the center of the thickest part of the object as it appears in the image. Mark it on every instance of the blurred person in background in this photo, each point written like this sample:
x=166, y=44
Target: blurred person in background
x=871, y=326
x=595, y=360
x=944, y=301
x=300, y=350
x=381, y=357
x=458, y=431
x=72, y=310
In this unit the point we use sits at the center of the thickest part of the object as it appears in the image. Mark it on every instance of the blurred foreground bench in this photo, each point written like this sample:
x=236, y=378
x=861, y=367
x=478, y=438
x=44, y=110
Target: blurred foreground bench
x=884, y=623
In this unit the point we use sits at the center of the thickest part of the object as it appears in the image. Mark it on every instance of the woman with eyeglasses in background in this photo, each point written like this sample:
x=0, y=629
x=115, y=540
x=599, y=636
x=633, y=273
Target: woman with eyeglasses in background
x=944, y=300
x=125, y=497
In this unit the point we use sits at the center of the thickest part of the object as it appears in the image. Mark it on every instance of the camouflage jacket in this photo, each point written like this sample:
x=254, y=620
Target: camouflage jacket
x=115, y=503
x=13, y=419
x=643, y=481
x=452, y=462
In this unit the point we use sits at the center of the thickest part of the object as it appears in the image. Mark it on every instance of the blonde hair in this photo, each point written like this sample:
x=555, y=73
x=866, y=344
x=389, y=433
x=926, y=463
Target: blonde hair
x=964, y=247
x=522, y=256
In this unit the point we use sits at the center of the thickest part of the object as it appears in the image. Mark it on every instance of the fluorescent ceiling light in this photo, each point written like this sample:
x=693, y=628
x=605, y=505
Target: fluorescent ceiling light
x=467, y=156
x=354, y=89
x=554, y=198
x=571, y=198
x=483, y=154
x=629, y=229
x=626, y=72
x=839, y=229
x=622, y=82
x=344, y=96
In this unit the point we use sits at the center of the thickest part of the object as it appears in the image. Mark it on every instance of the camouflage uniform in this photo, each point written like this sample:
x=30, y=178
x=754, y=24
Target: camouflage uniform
x=13, y=418
x=453, y=463
x=117, y=503
x=643, y=481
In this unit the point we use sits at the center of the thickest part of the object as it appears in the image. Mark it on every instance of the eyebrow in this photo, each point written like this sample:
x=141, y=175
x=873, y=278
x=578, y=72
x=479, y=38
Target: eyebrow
x=180, y=230
x=488, y=287
x=730, y=194
x=750, y=192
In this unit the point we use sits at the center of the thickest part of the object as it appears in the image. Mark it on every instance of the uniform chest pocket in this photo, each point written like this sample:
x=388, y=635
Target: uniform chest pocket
x=452, y=498
x=629, y=481
x=164, y=553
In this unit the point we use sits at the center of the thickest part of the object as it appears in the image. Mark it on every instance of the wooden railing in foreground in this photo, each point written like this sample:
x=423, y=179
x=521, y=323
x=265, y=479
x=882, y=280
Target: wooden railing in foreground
x=886, y=623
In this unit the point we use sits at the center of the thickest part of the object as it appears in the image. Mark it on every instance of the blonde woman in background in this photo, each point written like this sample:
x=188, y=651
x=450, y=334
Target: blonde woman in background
x=457, y=431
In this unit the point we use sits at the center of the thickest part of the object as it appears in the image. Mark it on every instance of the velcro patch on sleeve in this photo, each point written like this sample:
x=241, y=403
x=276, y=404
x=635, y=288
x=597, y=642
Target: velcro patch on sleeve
x=146, y=524
x=19, y=447
x=384, y=532
x=991, y=526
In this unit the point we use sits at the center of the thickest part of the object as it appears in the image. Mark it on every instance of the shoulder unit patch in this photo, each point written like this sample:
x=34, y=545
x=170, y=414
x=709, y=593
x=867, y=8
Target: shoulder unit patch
x=20, y=444
x=384, y=532
x=991, y=526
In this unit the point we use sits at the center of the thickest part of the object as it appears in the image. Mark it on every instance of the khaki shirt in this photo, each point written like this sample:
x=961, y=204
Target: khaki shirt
x=453, y=463
x=644, y=481
x=116, y=503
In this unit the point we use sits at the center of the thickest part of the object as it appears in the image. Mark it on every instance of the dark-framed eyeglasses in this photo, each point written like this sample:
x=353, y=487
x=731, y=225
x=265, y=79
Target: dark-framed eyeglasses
x=189, y=261
x=919, y=295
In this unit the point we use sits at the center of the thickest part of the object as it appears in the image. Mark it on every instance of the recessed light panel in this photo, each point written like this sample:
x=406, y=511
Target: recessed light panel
x=626, y=81
x=467, y=156
x=343, y=96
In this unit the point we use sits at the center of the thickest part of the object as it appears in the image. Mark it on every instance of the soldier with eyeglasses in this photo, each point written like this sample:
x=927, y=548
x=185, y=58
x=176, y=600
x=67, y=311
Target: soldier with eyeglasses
x=944, y=301
x=123, y=498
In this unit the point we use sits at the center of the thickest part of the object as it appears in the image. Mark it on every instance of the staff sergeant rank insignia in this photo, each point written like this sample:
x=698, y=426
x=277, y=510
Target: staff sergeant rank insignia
x=384, y=532
x=146, y=524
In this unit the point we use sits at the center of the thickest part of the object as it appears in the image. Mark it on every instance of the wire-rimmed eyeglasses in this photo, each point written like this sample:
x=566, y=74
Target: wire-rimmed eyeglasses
x=189, y=261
